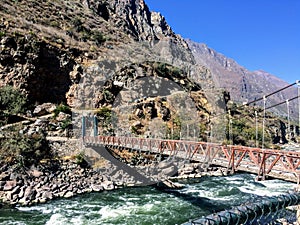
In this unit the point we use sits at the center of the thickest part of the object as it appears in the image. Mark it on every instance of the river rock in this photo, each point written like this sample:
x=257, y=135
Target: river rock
x=43, y=109
x=4, y=176
x=16, y=190
x=21, y=192
x=36, y=186
x=108, y=185
x=29, y=193
x=170, y=171
x=9, y=196
x=36, y=173
x=47, y=195
x=188, y=169
x=97, y=188
x=9, y=185
x=68, y=194
x=2, y=183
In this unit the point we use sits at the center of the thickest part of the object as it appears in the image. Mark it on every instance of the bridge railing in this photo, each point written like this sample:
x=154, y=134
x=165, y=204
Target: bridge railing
x=263, y=161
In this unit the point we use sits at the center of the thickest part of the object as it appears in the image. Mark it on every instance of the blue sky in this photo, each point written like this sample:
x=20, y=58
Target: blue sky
x=258, y=34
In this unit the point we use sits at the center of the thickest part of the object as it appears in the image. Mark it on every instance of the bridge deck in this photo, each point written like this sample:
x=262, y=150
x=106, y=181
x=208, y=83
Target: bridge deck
x=280, y=164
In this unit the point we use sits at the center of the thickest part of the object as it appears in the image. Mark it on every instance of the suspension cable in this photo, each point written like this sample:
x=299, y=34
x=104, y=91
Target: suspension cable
x=288, y=114
x=283, y=102
x=264, y=121
x=266, y=96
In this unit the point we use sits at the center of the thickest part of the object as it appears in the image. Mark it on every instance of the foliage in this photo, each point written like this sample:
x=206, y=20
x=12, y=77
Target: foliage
x=244, y=133
x=98, y=37
x=54, y=24
x=174, y=132
x=160, y=67
x=105, y=117
x=85, y=32
x=2, y=34
x=24, y=150
x=80, y=160
x=62, y=108
x=78, y=24
x=134, y=130
x=104, y=113
x=167, y=70
x=66, y=124
x=12, y=102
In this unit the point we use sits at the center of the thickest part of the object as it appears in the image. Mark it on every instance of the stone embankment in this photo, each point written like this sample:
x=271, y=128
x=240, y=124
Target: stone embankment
x=68, y=179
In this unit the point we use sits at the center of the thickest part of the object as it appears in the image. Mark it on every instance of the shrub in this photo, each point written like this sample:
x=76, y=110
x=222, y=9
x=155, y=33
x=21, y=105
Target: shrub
x=78, y=25
x=98, y=37
x=12, y=101
x=23, y=150
x=80, y=160
x=104, y=113
x=2, y=34
x=66, y=124
x=62, y=108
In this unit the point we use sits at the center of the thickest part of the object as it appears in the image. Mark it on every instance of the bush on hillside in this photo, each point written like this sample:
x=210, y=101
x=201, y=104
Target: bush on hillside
x=12, y=102
x=23, y=150
x=62, y=108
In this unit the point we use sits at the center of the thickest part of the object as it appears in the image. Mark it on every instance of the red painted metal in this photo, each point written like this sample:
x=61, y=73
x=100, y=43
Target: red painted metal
x=264, y=161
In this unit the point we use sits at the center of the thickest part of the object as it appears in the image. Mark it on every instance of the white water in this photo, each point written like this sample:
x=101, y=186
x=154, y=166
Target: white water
x=147, y=205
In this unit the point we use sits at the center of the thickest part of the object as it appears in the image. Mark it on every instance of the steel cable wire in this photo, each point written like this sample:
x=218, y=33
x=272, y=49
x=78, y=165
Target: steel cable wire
x=266, y=211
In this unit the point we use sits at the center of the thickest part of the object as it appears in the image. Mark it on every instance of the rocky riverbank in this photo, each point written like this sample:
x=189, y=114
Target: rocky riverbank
x=63, y=179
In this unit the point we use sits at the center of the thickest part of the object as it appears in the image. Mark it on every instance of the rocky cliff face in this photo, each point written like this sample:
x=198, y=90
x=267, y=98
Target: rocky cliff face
x=243, y=85
x=105, y=53
x=90, y=54
x=133, y=17
x=47, y=47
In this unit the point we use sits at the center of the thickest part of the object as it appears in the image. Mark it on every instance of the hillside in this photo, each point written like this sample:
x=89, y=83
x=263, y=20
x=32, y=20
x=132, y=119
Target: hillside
x=64, y=57
x=47, y=54
x=64, y=63
x=118, y=56
x=244, y=85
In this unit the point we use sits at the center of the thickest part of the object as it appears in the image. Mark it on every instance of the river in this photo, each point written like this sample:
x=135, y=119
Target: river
x=147, y=205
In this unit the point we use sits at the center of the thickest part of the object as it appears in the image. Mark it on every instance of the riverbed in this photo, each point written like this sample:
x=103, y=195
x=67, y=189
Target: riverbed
x=148, y=205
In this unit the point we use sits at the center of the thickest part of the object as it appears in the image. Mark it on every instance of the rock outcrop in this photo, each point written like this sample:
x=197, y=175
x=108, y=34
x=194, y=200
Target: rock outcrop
x=134, y=18
x=49, y=56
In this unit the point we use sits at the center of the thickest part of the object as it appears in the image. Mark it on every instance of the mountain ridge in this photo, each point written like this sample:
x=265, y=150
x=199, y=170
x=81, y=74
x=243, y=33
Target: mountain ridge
x=243, y=85
x=87, y=53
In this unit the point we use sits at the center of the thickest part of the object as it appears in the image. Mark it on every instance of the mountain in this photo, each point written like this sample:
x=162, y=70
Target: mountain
x=49, y=47
x=91, y=54
x=244, y=85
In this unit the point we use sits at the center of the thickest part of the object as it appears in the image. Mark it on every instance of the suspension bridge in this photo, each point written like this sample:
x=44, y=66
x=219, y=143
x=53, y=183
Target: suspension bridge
x=264, y=162
x=282, y=164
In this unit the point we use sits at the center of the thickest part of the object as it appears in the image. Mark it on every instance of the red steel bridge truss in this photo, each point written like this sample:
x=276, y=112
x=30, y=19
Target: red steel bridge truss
x=263, y=162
